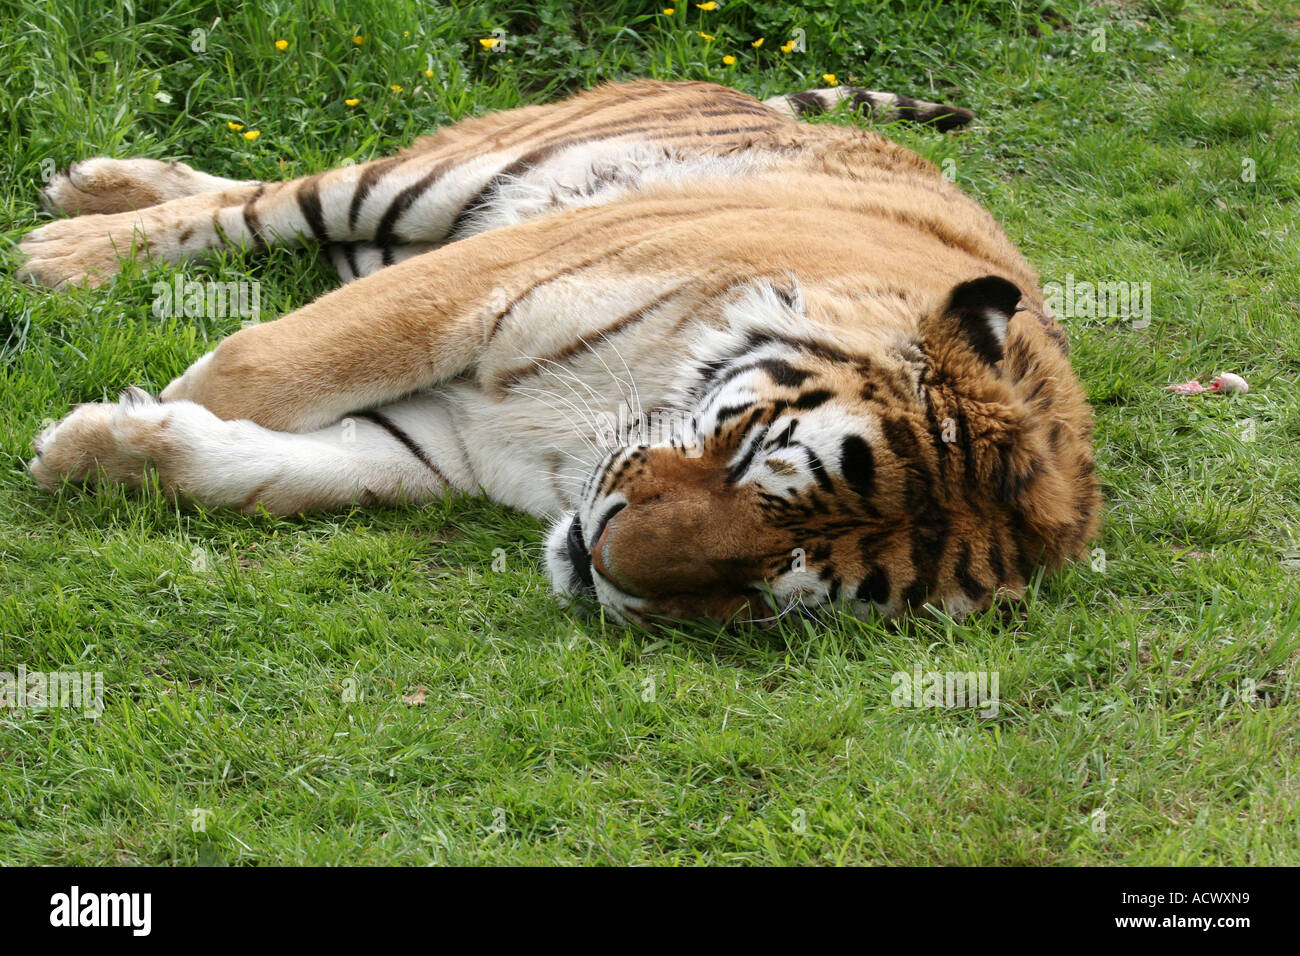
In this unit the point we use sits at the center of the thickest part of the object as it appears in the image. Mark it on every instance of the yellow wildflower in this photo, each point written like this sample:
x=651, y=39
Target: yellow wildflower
x=358, y=40
x=728, y=61
x=829, y=79
x=429, y=73
x=787, y=46
x=710, y=5
x=251, y=135
x=395, y=88
x=669, y=11
x=235, y=127
x=351, y=102
x=282, y=44
x=488, y=43
x=757, y=43
x=706, y=37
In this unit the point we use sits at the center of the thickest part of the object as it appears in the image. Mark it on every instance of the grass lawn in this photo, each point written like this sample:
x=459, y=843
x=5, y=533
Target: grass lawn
x=269, y=672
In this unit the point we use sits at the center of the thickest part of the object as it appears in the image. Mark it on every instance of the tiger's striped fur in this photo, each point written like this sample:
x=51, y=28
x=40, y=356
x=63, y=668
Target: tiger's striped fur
x=746, y=363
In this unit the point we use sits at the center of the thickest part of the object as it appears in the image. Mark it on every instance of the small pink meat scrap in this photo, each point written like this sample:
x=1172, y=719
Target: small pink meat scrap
x=1226, y=383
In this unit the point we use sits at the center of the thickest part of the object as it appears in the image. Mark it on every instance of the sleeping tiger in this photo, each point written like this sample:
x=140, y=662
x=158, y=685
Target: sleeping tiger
x=745, y=364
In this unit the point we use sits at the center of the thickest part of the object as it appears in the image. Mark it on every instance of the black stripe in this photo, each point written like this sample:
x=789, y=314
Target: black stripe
x=936, y=439
x=970, y=585
x=818, y=469
x=765, y=127
x=783, y=373
x=253, y=222
x=384, y=232
x=858, y=465
x=308, y=196
x=583, y=344
x=654, y=122
x=783, y=440
x=807, y=103
x=911, y=109
x=902, y=443
x=863, y=102
x=411, y=445
x=996, y=564
x=813, y=399
x=481, y=199
x=929, y=537
x=369, y=177
x=1011, y=481
x=1054, y=437
x=717, y=374
x=874, y=587
x=814, y=348
x=930, y=525
x=731, y=411
x=1025, y=552
x=737, y=471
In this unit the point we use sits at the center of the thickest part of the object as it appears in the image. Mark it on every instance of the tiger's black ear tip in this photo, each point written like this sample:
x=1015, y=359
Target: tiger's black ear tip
x=982, y=308
x=989, y=292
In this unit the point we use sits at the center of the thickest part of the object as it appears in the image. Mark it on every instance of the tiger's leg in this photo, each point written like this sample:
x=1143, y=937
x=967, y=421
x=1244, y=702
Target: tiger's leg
x=103, y=185
x=399, y=205
x=355, y=260
x=420, y=323
x=447, y=187
x=403, y=453
x=431, y=319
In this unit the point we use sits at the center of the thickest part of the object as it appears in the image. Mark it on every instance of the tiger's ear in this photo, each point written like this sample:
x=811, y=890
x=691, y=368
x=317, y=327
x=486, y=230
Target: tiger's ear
x=972, y=323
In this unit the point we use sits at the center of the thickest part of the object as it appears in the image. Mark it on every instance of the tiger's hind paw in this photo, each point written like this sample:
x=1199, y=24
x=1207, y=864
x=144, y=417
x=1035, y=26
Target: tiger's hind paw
x=115, y=440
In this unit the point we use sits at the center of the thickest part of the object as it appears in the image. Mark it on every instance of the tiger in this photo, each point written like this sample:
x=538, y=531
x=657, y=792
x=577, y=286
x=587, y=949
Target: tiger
x=743, y=365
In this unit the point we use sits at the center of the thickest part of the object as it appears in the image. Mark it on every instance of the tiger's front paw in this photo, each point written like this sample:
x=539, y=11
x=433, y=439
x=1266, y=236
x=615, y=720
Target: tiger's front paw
x=116, y=441
x=86, y=250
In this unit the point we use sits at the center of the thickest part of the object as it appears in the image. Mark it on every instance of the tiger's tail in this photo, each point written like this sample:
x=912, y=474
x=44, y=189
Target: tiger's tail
x=882, y=107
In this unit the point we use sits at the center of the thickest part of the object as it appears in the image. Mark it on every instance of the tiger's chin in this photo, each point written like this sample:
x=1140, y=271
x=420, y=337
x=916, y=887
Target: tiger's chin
x=573, y=579
x=570, y=579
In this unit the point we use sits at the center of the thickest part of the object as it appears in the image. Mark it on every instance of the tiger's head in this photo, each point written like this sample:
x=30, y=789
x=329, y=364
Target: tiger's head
x=941, y=465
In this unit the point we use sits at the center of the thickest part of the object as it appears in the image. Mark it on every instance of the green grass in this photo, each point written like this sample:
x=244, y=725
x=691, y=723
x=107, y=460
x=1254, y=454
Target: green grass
x=229, y=644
